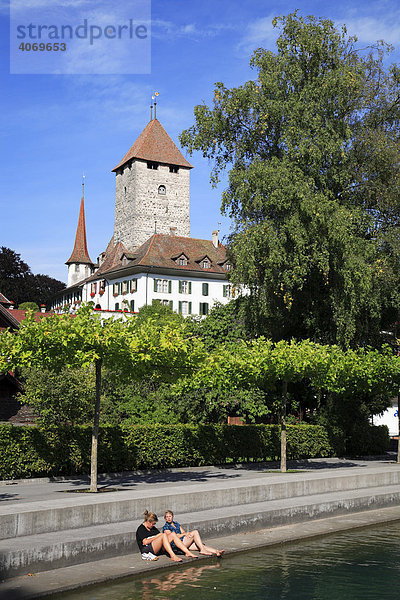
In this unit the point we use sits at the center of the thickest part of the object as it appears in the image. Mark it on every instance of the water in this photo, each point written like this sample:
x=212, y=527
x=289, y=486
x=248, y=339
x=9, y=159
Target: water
x=357, y=565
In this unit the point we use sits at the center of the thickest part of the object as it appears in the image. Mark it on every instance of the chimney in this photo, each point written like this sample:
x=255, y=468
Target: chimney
x=172, y=230
x=43, y=308
x=215, y=238
x=11, y=307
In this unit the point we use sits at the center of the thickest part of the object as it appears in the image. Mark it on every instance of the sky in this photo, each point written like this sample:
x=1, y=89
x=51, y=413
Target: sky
x=55, y=127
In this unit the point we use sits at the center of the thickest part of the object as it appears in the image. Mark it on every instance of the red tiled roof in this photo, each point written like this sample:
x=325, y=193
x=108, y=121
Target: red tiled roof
x=154, y=144
x=162, y=250
x=12, y=317
x=111, y=260
x=80, y=252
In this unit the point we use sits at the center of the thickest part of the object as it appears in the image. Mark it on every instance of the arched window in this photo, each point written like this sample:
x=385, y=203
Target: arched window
x=162, y=190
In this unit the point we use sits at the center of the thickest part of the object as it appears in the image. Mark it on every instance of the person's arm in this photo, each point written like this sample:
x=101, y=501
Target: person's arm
x=152, y=534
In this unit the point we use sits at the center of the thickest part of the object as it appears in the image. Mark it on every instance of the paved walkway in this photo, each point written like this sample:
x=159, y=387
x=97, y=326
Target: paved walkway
x=48, y=582
x=19, y=491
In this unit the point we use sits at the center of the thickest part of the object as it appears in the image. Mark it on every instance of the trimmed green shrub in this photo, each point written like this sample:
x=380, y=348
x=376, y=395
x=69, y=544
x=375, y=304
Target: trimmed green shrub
x=65, y=450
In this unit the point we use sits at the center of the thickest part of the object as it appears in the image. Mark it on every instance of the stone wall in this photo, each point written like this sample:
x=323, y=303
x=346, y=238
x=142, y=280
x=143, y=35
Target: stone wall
x=139, y=203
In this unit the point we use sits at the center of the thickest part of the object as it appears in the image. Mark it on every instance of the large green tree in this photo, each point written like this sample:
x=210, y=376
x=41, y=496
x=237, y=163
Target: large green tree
x=312, y=144
x=18, y=283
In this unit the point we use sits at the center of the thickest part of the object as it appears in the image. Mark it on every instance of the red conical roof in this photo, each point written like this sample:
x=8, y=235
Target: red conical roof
x=155, y=144
x=80, y=252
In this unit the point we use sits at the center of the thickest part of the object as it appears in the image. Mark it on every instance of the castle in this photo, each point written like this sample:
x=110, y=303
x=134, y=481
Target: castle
x=151, y=256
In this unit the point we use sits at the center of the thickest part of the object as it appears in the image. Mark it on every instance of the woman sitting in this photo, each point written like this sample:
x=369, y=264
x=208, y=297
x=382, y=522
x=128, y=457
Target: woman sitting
x=190, y=539
x=152, y=542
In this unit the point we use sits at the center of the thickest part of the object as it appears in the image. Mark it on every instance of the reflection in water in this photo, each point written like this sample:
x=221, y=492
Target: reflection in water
x=168, y=582
x=358, y=565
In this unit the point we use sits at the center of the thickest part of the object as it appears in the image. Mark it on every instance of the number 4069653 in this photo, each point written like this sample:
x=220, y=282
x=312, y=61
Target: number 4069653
x=42, y=47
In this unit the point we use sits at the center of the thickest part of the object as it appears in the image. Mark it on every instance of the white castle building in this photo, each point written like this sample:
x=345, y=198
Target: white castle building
x=139, y=266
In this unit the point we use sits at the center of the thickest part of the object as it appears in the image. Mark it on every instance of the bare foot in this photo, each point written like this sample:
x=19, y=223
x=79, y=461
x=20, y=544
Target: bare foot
x=220, y=553
x=206, y=553
x=191, y=555
x=176, y=558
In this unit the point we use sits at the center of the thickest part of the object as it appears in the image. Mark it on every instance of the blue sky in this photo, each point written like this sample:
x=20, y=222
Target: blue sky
x=56, y=127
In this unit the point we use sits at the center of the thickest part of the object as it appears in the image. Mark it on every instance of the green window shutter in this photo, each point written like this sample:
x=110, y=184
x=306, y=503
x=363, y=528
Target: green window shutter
x=169, y=286
x=171, y=304
x=205, y=308
x=180, y=307
x=190, y=308
x=201, y=308
x=180, y=287
x=155, y=285
x=205, y=289
x=132, y=306
x=190, y=287
x=224, y=291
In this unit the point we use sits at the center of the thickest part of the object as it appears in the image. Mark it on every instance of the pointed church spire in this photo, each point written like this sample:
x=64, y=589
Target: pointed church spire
x=80, y=252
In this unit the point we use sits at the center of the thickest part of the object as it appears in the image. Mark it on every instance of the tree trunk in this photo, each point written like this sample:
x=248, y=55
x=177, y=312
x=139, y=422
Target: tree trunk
x=283, y=427
x=95, y=432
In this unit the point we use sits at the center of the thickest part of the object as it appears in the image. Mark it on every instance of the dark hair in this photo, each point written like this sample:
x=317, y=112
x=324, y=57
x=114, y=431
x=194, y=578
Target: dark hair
x=150, y=516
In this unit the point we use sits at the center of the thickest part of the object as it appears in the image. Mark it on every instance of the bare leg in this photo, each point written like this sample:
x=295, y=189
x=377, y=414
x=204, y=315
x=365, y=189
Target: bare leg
x=157, y=543
x=165, y=542
x=178, y=542
x=193, y=539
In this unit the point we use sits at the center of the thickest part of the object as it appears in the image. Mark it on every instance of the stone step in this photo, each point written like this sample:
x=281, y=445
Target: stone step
x=53, y=550
x=82, y=510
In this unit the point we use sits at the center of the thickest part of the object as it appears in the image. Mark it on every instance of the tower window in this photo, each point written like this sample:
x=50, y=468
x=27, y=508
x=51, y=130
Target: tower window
x=173, y=169
x=125, y=192
x=152, y=165
x=162, y=190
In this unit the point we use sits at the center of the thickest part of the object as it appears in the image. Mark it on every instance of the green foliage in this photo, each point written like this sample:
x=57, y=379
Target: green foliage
x=312, y=145
x=225, y=323
x=64, y=397
x=31, y=451
x=29, y=306
x=163, y=315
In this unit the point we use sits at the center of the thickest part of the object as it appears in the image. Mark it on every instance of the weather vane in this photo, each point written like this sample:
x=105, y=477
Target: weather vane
x=83, y=185
x=153, y=101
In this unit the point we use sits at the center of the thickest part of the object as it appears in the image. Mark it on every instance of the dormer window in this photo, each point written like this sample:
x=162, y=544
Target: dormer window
x=205, y=263
x=152, y=165
x=228, y=266
x=181, y=260
x=162, y=190
x=173, y=169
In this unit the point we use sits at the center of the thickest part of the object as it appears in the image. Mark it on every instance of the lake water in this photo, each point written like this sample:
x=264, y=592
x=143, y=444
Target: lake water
x=357, y=565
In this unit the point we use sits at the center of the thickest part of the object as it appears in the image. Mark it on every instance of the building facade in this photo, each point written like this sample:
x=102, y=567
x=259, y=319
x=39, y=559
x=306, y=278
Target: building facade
x=151, y=256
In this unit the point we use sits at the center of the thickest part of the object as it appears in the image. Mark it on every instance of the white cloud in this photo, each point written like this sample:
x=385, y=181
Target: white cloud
x=370, y=29
x=259, y=33
x=161, y=28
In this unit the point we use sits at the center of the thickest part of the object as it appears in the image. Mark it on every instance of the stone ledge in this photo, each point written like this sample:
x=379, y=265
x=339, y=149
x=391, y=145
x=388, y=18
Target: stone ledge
x=48, y=583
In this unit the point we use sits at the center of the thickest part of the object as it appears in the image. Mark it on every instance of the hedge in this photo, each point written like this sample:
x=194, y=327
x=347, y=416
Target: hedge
x=32, y=451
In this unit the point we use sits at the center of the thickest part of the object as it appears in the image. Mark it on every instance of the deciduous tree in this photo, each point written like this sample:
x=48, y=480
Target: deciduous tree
x=313, y=148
